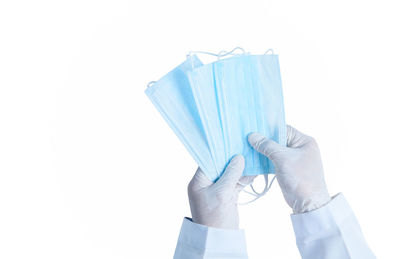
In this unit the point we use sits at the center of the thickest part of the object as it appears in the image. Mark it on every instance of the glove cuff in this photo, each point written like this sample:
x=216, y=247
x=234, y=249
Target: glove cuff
x=311, y=203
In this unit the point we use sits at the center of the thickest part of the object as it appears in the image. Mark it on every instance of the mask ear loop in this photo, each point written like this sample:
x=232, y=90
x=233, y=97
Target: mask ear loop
x=151, y=83
x=269, y=51
x=219, y=55
x=224, y=53
x=258, y=195
x=255, y=193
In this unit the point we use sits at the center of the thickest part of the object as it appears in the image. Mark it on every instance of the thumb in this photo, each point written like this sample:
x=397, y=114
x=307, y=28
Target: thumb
x=232, y=173
x=267, y=147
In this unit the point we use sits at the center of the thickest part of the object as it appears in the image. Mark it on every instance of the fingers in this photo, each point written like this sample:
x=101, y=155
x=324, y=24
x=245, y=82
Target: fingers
x=265, y=146
x=199, y=181
x=295, y=138
x=268, y=147
x=232, y=173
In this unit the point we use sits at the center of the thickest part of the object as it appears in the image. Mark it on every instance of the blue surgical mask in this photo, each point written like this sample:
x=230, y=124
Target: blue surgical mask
x=212, y=108
x=173, y=98
x=237, y=96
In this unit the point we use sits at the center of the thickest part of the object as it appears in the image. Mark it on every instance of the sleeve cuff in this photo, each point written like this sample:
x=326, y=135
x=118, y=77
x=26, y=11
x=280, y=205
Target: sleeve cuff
x=329, y=216
x=331, y=231
x=198, y=240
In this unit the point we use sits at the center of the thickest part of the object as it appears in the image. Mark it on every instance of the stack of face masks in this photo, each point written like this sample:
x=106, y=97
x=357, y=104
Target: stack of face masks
x=212, y=108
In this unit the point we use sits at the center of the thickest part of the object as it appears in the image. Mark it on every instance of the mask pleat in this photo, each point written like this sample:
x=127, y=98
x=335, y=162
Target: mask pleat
x=212, y=108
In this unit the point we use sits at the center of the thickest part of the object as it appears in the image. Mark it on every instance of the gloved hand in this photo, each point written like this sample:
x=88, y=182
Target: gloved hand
x=215, y=204
x=298, y=167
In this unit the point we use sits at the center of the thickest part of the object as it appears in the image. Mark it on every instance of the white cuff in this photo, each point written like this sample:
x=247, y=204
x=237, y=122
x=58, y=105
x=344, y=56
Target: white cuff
x=328, y=216
x=199, y=241
x=330, y=232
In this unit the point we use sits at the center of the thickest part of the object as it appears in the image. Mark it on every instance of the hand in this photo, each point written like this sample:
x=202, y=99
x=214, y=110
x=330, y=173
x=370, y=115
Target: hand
x=298, y=168
x=215, y=204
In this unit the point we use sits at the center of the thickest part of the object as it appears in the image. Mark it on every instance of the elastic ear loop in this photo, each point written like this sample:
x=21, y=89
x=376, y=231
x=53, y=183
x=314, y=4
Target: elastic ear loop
x=258, y=195
x=269, y=51
x=219, y=55
x=151, y=83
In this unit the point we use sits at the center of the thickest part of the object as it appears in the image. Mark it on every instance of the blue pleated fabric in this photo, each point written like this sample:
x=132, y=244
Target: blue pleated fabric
x=173, y=98
x=235, y=97
x=212, y=108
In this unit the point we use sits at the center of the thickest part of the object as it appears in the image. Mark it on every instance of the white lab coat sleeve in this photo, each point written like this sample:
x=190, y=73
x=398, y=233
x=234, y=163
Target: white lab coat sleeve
x=330, y=232
x=201, y=242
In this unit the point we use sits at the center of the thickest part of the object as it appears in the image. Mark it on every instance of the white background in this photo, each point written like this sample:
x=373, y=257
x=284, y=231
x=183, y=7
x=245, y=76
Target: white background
x=88, y=168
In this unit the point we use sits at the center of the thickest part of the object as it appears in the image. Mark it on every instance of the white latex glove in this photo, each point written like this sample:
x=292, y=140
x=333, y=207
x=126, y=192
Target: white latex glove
x=298, y=167
x=215, y=204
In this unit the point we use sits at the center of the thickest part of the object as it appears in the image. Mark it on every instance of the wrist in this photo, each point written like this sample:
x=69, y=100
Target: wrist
x=311, y=203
